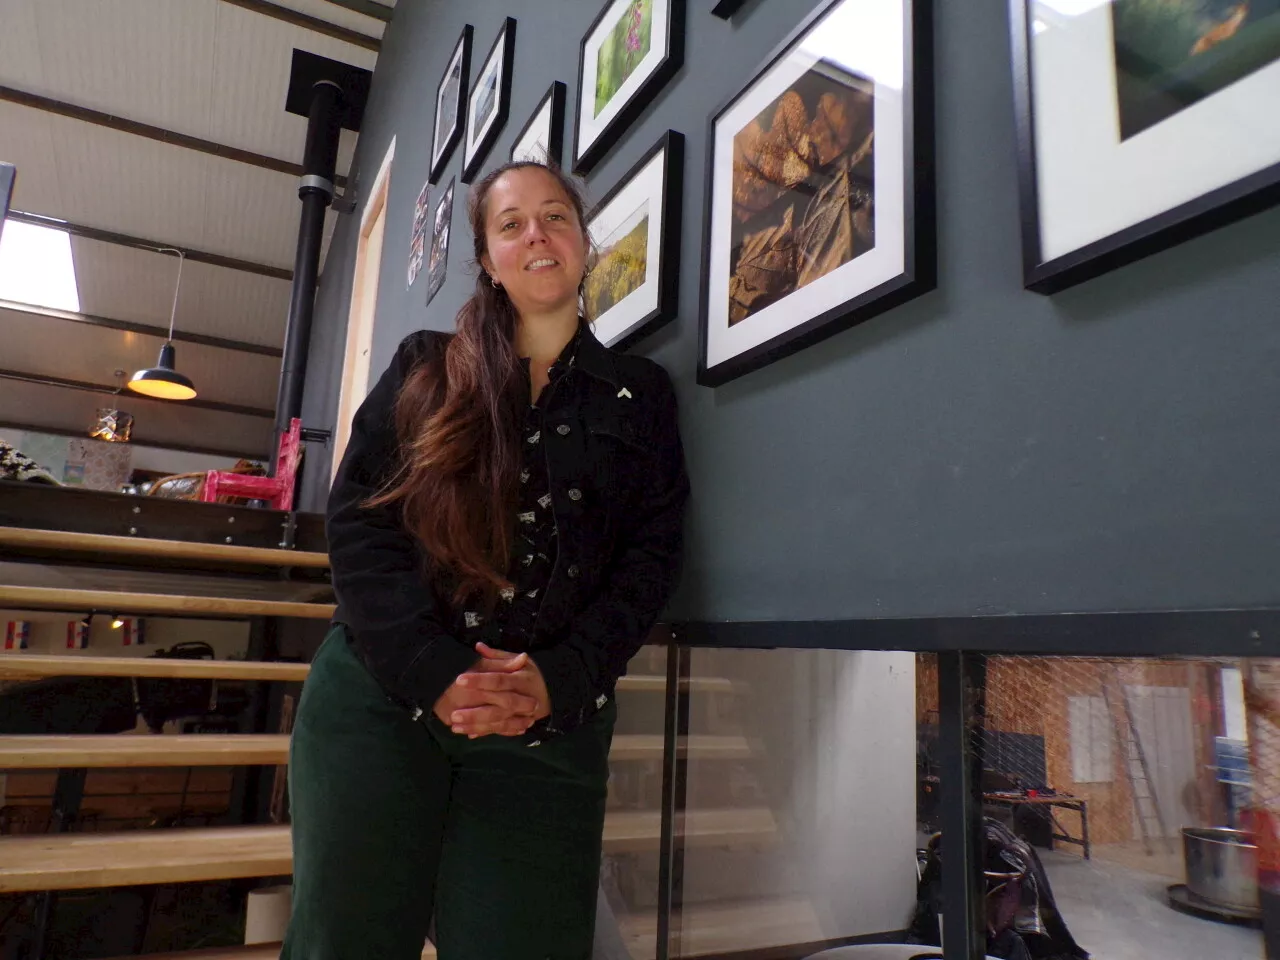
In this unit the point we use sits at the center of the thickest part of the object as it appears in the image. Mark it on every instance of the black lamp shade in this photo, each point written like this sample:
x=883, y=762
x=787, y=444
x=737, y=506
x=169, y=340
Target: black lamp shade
x=162, y=380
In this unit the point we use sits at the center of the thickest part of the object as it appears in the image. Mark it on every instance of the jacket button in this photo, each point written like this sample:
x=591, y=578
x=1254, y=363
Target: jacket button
x=575, y=494
x=563, y=429
x=573, y=571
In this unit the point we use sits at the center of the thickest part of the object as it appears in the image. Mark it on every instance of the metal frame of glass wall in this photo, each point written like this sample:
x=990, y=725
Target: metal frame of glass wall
x=962, y=645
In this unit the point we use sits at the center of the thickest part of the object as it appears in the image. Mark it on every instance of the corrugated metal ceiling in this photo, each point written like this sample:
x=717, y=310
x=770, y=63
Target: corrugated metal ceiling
x=201, y=68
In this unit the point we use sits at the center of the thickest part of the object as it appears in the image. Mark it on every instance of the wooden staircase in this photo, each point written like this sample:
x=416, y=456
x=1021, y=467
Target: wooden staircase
x=78, y=860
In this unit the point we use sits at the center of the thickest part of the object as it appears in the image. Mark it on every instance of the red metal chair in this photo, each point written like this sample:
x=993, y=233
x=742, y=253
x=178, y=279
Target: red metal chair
x=277, y=490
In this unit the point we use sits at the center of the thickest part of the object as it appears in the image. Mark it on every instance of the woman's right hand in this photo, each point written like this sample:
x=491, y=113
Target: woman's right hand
x=502, y=712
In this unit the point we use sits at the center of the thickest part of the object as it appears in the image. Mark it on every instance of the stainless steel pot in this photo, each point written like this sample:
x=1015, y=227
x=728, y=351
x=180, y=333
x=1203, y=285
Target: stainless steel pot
x=1222, y=866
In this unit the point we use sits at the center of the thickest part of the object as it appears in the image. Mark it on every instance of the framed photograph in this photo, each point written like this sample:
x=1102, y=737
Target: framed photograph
x=438, y=259
x=1141, y=124
x=819, y=210
x=490, y=101
x=417, y=234
x=451, y=105
x=628, y=53
x=542, y=138
x=634, y=283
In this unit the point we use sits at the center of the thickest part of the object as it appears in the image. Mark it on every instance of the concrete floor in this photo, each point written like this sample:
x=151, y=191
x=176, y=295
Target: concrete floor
x=1120, y=913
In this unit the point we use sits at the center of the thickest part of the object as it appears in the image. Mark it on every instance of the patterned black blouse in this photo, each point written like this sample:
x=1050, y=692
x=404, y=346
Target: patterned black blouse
x=533, y=549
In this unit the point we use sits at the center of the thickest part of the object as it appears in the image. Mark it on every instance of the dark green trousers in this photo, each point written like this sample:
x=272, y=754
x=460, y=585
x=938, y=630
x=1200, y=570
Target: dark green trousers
x=396, y=820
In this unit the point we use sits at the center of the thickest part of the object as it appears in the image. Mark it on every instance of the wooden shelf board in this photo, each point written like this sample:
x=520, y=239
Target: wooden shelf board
x=643, y=746
x=628, y=831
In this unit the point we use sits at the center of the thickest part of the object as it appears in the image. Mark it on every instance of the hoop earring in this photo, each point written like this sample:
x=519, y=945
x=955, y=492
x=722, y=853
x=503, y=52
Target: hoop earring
x=493, y=282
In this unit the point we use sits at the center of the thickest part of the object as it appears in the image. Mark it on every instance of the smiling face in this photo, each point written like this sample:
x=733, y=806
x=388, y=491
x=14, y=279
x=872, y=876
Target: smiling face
x=536, y=247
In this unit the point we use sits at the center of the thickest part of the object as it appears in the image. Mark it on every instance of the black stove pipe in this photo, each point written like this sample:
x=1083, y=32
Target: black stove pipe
x=315, y=190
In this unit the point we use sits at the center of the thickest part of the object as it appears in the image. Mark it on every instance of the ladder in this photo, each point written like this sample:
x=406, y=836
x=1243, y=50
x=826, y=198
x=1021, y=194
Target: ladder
x=1141, y=787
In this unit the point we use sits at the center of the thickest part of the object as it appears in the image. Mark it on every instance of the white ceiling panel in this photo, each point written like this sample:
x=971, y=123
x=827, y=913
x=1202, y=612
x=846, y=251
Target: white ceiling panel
x=44, y=345
x=212, y=70
x=337, y=14
x=135, y=285
x=156, y=423
x=102, y=178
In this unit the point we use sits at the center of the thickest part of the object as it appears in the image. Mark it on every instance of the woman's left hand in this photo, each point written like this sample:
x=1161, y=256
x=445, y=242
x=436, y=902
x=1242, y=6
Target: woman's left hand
x=498, y=670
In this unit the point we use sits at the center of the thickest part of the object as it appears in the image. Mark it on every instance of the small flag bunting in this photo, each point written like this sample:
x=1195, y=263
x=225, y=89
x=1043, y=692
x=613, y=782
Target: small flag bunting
x=77, y=634
x=17, y=634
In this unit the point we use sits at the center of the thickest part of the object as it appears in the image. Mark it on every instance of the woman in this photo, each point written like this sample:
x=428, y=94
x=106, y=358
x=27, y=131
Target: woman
x=504, y=529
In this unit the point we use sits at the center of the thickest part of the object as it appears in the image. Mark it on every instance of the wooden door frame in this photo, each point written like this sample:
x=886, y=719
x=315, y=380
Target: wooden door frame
x=374, y=207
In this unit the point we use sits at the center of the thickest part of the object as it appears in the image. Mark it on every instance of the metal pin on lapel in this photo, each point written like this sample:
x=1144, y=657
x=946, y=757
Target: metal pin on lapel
x=624, y=392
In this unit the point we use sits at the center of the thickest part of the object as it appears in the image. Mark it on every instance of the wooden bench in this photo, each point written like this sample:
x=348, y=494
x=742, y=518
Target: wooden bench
x=156, y=604
x=63, y=541
x=34, y=752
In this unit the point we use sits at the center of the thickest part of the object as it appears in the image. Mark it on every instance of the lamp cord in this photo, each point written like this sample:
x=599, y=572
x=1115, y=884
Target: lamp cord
x=173, y=312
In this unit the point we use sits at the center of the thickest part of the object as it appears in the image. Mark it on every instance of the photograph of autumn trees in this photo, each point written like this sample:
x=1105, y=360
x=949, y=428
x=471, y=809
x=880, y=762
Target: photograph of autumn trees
x=803, y=188
x=620, y=269
x=1171, y=54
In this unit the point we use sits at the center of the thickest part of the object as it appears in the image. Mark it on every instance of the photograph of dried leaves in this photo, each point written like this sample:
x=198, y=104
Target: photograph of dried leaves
x=803, y=188
x=810, y=189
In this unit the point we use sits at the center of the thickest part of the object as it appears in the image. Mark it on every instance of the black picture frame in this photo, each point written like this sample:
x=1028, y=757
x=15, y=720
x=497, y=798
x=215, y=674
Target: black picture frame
x=919, y=252
x=474, y=156
x=442, y=150
x=1215, y=208
x=587, y=156
x=671, y=204
x=725, y=9
x=556, y=96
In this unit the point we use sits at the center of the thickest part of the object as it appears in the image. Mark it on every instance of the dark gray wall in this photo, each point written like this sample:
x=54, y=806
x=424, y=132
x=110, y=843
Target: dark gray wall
x=982, y=449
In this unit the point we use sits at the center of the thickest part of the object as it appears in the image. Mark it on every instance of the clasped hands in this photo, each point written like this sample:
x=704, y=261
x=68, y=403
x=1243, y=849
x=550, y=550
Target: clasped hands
x=503, y=693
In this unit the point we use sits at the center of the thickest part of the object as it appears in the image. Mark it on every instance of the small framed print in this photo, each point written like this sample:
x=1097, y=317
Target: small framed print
x=1141, y=124
x=819, y=208
x=542, y=139
x=490, y=100
x=451, y=105
x=438, y=261
x=633, y=286
x=630, y=51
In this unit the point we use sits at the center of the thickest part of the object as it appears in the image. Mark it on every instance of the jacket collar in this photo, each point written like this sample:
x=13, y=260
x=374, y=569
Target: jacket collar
x=595, y=358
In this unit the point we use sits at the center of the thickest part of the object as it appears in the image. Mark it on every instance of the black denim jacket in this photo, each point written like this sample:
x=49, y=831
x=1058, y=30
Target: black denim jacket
x=618, y=488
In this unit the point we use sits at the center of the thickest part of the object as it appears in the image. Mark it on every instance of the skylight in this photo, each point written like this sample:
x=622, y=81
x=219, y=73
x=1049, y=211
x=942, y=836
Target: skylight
x=36, y=267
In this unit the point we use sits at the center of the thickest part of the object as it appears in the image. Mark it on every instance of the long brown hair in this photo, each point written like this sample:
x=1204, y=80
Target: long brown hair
x=458, y=421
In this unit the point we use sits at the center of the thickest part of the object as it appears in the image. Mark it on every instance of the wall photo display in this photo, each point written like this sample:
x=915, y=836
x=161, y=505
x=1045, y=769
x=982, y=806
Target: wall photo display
x=542, y=138
x=1141, y=124
x=490, y=101
x=630, y=51
x=418, y=233
x=819, y=210
x=633, y=286
x=451, y=105
x=438, y=260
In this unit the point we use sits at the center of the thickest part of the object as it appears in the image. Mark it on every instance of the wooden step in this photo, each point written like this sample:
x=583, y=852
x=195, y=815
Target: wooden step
x=156, y=604
x=257, y=951
x=77, y=860
x=144, y=750
x=657, y=684
x=630, y=831
x=71, y=861
x=22, y=538
x=644, y=746
x=724, y=928
x=22, y=666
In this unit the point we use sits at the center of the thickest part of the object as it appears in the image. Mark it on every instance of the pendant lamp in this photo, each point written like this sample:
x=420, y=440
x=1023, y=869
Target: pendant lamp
x=162, y=380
